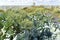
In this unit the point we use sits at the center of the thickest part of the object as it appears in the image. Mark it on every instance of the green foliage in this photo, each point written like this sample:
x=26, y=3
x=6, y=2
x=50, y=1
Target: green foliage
x=14, y=22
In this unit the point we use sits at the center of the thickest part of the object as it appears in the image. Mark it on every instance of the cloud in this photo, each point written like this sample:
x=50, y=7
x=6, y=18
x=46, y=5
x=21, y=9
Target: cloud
x=16, y=2
x=48, y=2
x=29, y=2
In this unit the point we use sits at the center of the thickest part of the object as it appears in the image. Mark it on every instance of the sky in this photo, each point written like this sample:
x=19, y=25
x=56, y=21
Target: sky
x=29, y=2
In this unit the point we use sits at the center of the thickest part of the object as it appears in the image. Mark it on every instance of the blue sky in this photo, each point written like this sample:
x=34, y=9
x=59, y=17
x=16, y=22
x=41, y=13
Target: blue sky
x=29, y=2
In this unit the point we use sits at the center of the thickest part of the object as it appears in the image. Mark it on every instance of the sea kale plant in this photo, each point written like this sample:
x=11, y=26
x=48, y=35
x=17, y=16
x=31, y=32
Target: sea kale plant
x=20, y=25
x=43, y=28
